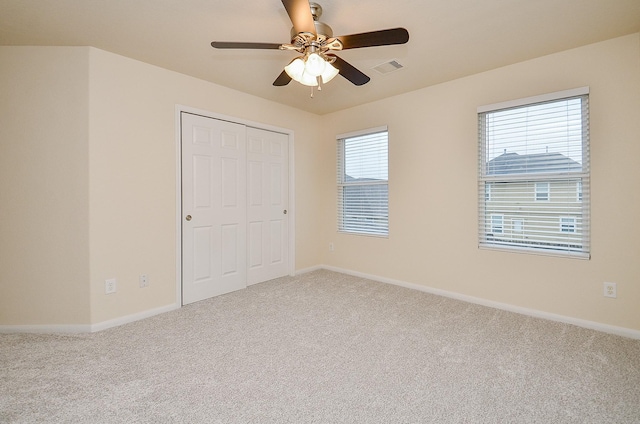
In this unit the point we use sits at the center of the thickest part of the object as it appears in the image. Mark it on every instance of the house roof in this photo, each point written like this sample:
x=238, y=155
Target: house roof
x=514, y=163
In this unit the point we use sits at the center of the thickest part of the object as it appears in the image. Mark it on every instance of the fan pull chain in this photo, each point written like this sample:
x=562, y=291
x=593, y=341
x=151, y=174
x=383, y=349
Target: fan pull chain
x=319, y=79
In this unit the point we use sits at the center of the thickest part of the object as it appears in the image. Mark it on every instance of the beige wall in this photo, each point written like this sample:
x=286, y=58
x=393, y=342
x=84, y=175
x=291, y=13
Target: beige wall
x=98, y=198
x=44, y=186
x=433, y=189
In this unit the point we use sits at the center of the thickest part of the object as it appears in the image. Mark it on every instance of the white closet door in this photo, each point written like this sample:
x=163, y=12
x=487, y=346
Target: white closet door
x=214, y=221
x=267, y=203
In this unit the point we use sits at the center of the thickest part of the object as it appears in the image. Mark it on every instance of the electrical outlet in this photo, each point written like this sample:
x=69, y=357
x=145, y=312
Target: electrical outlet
x=610, y=290
x=143, y=280
x=331, y=247
x=110, y=286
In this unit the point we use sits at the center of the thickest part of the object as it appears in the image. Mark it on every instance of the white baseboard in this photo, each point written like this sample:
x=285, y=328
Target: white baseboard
x=45, y=329
x=311, y=269
x=85, y=328
x=116, y=322
x=606, y=328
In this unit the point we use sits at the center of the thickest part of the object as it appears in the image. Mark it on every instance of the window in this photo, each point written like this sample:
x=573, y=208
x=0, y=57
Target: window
x=542, y=192
x=534, y=156
x=579, y=190
x=567, y=224
x=497, y=223
x=363, y=182
x=517, y=225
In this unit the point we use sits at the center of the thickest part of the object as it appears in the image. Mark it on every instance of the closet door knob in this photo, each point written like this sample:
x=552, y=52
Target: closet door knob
x=188, y=217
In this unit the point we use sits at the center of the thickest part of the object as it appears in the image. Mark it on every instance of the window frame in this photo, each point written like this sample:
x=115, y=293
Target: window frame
x=342, y=185
x=578, y=243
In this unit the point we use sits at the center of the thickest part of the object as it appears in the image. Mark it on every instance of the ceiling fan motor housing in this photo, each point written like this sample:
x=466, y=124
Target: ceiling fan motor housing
x=316, y=10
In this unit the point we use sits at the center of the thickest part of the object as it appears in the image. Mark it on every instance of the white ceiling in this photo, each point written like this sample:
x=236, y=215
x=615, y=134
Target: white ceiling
x=448, y=38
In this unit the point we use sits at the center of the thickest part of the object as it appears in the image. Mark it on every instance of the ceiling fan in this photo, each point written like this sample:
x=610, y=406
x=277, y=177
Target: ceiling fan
x=315, y=41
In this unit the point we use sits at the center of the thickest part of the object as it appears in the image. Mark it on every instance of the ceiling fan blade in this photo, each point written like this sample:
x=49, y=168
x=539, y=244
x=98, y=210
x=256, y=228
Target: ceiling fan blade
x=350, y=72
x=384, y=37
x=299, y=12
x=241, y=45
x=283, y=79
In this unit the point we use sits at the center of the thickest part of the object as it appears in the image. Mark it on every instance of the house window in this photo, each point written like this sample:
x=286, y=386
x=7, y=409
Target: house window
x=517, y=225
x=497, y=224
x=534, y=156
x=579, y=191
x=542, y=192
x=363, y=182
x=567, y=224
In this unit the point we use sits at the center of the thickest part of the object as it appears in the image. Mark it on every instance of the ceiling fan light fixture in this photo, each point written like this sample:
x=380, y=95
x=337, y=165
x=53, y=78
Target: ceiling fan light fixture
x=306, y=70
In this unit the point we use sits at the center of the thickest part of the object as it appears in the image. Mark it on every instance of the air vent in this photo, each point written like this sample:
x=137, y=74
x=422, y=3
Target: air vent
x=388, y=67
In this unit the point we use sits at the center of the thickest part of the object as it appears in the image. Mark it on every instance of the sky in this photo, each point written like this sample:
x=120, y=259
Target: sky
x=552, y=127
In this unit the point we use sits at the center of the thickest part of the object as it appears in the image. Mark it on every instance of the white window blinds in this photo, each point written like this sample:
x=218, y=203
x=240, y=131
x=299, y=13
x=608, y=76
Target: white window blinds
x=363, y=189
x=534, y=162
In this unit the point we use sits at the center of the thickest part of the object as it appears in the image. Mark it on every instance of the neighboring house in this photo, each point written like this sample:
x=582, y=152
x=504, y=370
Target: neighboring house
x=534, y=211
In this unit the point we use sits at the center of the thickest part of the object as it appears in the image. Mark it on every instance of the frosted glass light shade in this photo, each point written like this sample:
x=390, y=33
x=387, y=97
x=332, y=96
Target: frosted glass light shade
x=308, y=79
x=329, y=73
x=315, y=65
x=295, y=69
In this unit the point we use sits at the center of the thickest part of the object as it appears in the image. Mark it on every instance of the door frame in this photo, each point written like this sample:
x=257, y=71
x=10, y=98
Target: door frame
x=291, y=195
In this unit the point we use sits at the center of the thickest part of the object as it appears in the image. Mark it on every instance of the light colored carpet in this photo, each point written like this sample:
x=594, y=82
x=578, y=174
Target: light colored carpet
x=324, y=347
